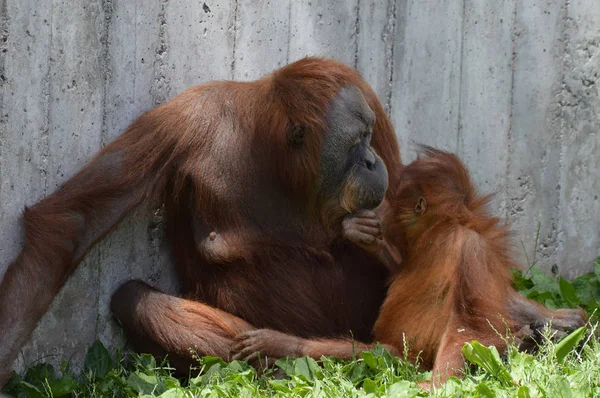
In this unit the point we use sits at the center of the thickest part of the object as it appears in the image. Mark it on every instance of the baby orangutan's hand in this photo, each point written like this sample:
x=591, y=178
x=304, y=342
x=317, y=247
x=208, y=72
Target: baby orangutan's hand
x=363, y=228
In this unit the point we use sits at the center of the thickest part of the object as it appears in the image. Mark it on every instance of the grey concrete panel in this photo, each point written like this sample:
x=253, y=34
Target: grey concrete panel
x=262, y=40
x=24, y=134
x=376, y=40
x=324, y=28
x=579, y=218
x=25, y=42
x=534, y=159
x=74, y=87
x=426, y=85
x=196, y=44
x=485, y=95
x=136, y=249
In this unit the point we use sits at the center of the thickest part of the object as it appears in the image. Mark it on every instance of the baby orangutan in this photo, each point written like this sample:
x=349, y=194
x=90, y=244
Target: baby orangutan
x=454, y=283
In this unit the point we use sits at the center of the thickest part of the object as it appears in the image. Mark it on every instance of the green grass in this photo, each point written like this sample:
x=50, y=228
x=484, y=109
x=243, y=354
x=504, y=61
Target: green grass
x=569, y=368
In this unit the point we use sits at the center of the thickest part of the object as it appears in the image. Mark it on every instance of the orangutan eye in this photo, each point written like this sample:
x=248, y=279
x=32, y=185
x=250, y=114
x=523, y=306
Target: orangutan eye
x=366, y=134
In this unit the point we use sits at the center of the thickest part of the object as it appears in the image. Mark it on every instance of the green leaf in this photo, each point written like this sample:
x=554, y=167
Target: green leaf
x=381, y=352
x=286, y=364
x=584, y=288
x=63, y=386
x=142, y=385
x=145, y=362
x=523, y=392
x=314, y=368
x=12, y=385
x=540, y=297
x=520, y=281
x=237, y=366
x=552, y=304
x=209, y=361
x=521, y=365
x=488, y=359
x=173, y=393
x=171, y=382
x=280, y=385
x=307, y=368
x=375, y=361
x=29, y=390
x=403, y=389
x=485, y=391
x=98, y=360
x=36, y=380
x=559, y=387
x=301, y=369
x=359, y=372
x=38, y=374
x=214, y=370
x=568, y=292
x=145, y=384
x=543, y=282
x=370, y=359
x=562, y=348
x=369, y=386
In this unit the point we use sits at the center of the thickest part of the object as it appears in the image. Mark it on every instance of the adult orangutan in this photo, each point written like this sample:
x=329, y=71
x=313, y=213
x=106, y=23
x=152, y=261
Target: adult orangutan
x=256, y=179
x=453, y=286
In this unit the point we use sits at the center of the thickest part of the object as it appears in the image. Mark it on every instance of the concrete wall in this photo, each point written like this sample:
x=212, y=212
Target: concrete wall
x=511, y=85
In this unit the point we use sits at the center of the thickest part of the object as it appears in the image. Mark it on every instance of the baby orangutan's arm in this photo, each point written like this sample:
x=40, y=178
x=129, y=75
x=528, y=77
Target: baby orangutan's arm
x=364, y=229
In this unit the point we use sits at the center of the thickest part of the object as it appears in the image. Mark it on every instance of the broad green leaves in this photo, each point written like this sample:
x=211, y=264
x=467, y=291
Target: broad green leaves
x=556, y=372
x=528, y=377
x=556, y=292
x=41, y=381
x=567, y=368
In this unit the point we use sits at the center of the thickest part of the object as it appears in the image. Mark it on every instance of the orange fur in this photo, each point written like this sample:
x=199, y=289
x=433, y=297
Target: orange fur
x=246, y=228
x=455, y=283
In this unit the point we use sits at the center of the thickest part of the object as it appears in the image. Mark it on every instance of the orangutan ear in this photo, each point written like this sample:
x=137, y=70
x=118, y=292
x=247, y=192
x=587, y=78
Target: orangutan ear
x=421, y=206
